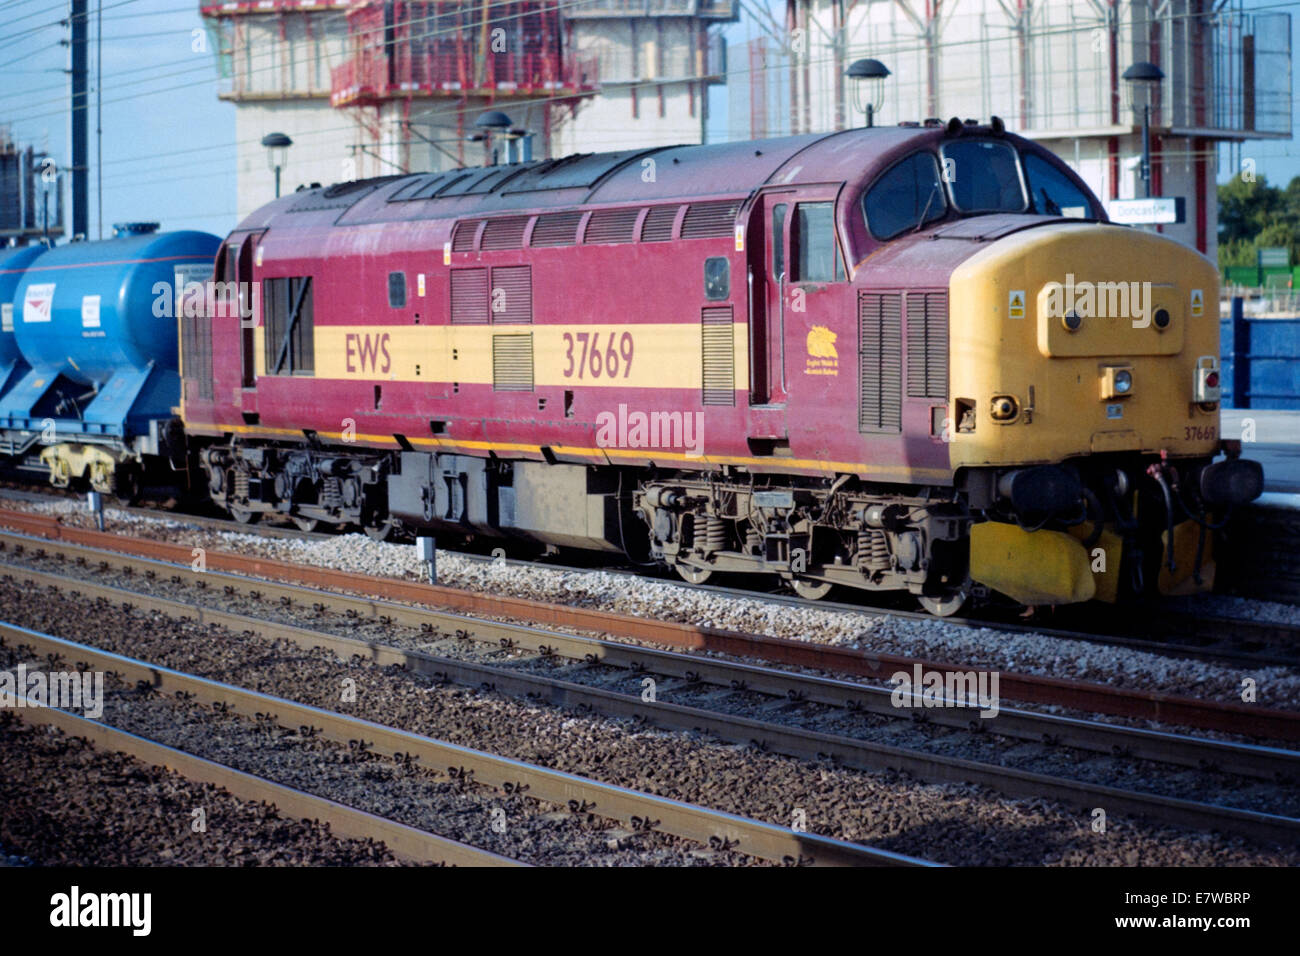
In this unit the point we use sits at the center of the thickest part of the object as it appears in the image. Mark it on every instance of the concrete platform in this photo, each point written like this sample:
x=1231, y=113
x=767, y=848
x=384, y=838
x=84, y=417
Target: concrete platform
x=1275, y=444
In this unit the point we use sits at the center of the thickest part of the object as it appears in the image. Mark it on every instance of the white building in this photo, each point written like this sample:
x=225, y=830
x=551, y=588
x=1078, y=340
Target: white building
x=383, y=86
x=1052, y=69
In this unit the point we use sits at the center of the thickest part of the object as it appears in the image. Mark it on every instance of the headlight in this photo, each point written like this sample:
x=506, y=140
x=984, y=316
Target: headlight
x=1116, y=382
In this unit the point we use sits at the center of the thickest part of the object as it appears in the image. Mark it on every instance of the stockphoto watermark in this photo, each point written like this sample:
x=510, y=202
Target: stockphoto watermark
x=667, y=430
x=63, y=690
x=1100, y=300
x=930, y=688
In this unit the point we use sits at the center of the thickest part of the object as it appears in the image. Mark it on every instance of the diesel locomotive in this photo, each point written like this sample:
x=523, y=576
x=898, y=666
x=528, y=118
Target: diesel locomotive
x=914, y=358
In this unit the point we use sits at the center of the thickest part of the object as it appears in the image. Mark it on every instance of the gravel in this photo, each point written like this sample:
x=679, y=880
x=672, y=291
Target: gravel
x=64, y=803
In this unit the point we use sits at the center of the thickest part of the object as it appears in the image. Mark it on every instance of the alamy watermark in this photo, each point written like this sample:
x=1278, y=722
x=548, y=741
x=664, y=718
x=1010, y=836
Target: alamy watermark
x=64, y=690
x=1100, y=300
x=923, y=688
x=657, y=429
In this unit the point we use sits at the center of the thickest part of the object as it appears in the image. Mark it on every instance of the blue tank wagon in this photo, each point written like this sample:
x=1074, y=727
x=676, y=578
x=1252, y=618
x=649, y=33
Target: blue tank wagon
x=96, y=324
x=13, y=263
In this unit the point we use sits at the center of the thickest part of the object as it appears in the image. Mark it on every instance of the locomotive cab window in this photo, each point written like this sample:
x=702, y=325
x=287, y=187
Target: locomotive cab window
x=290, y=326
x=397, y=290
x=816, y=253
x=984, y=176
x=906, y=196
x=717, y=278
x=1052, y=193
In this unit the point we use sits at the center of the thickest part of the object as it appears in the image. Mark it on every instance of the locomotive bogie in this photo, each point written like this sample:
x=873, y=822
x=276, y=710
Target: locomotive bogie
x=813, y=536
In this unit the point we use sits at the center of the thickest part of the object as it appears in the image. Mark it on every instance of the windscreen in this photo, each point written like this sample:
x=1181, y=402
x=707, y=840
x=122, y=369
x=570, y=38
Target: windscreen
x=1052, y=192
x=983, y=176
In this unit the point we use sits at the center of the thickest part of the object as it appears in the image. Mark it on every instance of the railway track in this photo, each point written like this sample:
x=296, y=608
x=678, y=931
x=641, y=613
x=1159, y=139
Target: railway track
x=711, y=828
x=1148, y=627
x=405, y=842
x=713, y=687
x=116, y=551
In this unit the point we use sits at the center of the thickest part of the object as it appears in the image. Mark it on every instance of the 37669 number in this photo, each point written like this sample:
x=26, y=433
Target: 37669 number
x=1199, y=432
x=588, y=359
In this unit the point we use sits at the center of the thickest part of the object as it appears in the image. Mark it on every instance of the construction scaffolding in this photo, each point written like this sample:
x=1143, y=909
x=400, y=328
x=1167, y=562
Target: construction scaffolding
x=1050, y=67
x=402, y=50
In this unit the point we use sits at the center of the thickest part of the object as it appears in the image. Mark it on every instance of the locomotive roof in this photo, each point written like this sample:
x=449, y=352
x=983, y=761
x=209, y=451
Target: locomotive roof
x=662, y=173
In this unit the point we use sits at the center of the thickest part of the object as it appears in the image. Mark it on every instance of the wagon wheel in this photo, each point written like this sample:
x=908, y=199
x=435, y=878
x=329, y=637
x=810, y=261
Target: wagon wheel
x=811, y=590
x=307, y=525
x=693, y=574
x=244, y=515
x=943, y=605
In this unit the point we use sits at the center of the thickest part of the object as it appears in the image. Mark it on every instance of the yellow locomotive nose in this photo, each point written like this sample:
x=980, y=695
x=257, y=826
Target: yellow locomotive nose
x=1076, y=339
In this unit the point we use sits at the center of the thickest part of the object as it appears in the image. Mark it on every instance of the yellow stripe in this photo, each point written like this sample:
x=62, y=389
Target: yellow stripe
x=652, y=454
x=664, y=355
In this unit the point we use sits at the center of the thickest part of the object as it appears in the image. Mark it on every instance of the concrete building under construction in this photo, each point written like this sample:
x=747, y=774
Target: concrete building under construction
x=1052, y=69
x=384, y=86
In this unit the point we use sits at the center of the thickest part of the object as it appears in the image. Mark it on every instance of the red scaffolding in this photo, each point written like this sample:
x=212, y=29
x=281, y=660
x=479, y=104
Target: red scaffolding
x=457, y=49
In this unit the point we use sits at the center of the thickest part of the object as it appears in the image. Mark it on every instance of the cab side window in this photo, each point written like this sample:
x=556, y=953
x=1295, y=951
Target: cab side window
x=817, y=257
x=905, y=196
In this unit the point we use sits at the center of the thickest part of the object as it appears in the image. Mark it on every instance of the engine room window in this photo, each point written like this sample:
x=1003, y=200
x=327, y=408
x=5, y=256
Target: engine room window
x=984, y=176
x=397, y=290
x=717, y=278
x=1051, y=192
x=907, y=195
x=817, y=256
x=290, y=326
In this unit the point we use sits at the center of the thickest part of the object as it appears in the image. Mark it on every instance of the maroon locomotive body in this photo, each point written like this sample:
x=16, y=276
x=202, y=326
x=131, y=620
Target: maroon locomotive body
x=730, y=357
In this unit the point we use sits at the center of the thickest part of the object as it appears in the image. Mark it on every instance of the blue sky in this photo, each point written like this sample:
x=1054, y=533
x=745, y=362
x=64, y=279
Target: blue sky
x=168, y=151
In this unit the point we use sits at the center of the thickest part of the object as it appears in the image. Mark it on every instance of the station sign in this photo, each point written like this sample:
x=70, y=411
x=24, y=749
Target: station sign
x=1161, y=210
x=1272, y=257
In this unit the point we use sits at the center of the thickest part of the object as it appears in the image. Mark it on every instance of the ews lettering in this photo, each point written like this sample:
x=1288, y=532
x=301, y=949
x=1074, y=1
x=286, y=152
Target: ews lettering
x=368, y=353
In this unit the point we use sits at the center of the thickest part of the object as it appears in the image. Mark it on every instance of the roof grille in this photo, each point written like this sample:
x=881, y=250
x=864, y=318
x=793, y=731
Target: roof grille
x=504, y=233
x=658, y=225
x=556, y=229
x=612, y=225
x=462, y=239
x=709, y=220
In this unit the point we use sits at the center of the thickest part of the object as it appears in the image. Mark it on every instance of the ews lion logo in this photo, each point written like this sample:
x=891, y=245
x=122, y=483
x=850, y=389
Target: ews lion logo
x=822, y=357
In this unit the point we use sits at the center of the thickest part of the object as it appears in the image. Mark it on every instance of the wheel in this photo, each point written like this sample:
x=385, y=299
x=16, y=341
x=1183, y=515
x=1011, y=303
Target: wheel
x=307, y=525
x=693, y=574
x=944, y=605
x=811, y=590
x=384, y=531
x=244, y=515
x=126, y=485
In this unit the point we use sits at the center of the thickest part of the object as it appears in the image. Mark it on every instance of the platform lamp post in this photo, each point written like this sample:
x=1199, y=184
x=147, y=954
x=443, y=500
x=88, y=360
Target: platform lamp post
x=277, y=153
x=868, y=78
x=491, y=125
x=1143, y=81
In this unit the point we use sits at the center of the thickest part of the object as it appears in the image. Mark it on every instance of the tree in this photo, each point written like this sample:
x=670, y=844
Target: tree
x=1255, y=215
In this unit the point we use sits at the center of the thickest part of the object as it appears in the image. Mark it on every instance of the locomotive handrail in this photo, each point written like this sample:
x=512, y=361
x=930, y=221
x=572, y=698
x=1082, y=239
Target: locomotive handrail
x=780, y=288
x=749, y=334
